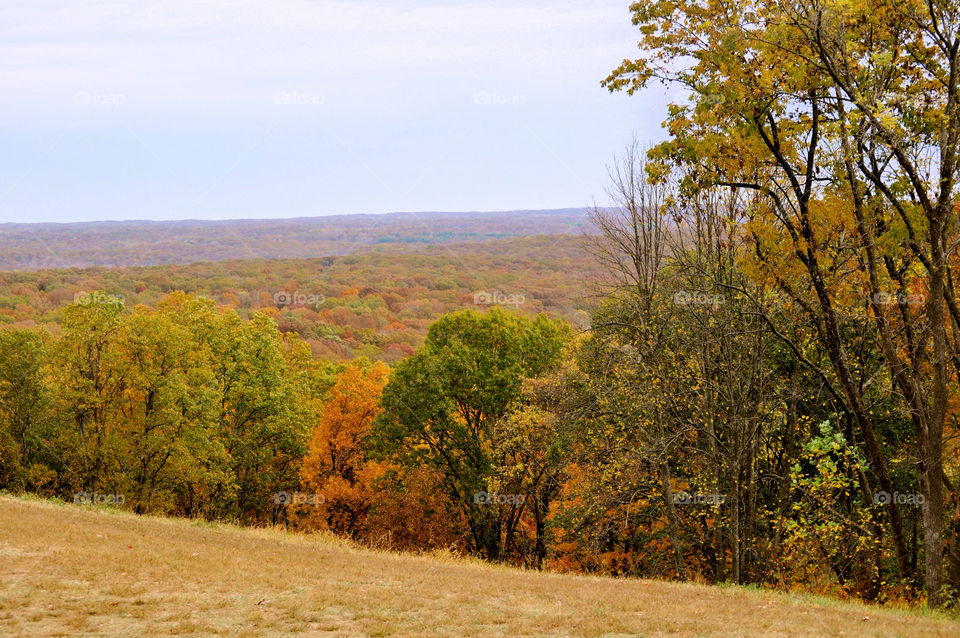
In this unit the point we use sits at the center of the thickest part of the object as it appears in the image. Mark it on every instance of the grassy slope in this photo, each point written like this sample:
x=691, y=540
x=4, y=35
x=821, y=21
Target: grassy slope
x=67, y=570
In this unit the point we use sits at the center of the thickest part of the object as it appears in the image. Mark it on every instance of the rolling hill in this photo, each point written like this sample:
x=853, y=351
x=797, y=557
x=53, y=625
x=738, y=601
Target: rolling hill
x=144, y=243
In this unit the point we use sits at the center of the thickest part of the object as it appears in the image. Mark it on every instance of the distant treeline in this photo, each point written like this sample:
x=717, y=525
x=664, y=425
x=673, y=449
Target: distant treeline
x=144, y=243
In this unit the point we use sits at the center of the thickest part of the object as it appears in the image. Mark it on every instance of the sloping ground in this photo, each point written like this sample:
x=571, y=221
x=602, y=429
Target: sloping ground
x=66, y=570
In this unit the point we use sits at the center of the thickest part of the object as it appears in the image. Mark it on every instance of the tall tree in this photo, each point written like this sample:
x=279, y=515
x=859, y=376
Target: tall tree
x=24, y=421
x=335, y=470
x=442, y=406
x=845, y=117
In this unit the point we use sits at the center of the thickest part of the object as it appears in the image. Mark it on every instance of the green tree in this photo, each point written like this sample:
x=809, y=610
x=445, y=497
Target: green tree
x=166, y=418
x=261, y=419
x=84, y=369
x=24, y=418
x=442, y=406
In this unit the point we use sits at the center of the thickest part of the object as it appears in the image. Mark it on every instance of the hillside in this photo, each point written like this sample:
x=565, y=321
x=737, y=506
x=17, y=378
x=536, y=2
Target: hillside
x=143, y=243
x=377, y=303
x=67, y=570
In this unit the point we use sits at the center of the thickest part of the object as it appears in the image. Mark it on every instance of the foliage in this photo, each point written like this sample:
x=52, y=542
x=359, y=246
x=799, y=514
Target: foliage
x=442, y=407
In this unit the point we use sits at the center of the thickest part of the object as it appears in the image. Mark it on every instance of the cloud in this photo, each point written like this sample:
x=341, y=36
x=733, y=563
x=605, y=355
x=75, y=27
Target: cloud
x=237, y=54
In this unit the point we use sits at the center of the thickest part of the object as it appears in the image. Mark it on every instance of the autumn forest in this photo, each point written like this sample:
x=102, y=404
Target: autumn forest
x=743, y=368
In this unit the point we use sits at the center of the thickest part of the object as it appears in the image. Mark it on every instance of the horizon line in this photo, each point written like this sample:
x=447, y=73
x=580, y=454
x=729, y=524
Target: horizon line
x=301, y=217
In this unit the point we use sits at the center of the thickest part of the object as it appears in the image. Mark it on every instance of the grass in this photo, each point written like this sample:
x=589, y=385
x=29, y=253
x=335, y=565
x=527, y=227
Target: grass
x=67, y=570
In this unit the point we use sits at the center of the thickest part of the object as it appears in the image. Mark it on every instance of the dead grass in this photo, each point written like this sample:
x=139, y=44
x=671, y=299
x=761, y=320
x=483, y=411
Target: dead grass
x=67, y=570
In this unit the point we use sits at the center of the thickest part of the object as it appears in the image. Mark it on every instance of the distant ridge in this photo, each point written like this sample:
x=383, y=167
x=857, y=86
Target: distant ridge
x=306, y=218
x=129, y=243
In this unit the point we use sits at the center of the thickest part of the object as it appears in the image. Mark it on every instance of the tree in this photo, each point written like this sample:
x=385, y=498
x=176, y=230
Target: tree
x=266, y=397
x=84, y=369
x=844, y=117
x=260, y=420
x=165, y=422
x=442, y=406
x=335, y=467
x=23, y=411
x=535, y=439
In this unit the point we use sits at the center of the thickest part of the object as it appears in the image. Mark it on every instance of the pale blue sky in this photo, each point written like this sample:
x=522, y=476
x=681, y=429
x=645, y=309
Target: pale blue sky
x=216, y=109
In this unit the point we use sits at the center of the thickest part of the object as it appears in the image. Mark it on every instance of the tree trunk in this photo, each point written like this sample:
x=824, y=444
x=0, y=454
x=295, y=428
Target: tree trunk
x=735, y=527
x=673, y=523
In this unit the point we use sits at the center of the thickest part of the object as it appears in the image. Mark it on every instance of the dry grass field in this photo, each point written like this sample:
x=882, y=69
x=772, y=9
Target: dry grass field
x=67, y=570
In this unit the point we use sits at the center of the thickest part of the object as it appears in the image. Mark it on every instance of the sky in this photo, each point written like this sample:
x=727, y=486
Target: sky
x=223, y=109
